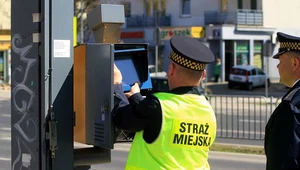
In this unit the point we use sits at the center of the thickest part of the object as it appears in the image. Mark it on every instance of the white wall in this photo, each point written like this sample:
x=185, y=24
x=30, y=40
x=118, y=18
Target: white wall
x=281, y=13
x=5, y=9
x=198, y=7
x=283, y=17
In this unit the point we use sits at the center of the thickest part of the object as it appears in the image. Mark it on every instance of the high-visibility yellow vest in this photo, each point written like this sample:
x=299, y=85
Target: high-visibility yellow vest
x=188, y=130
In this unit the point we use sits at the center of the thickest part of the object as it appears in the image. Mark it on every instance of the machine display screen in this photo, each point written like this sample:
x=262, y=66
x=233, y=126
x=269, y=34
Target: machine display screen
x=133, y=65
x=128, y=70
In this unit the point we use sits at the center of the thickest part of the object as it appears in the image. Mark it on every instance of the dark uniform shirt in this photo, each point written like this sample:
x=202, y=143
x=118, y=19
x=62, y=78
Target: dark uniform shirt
x=282, y=138
x=140, y=113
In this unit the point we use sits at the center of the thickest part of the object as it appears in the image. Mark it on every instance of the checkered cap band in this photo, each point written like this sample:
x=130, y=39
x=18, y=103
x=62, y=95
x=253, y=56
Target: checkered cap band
x=186, y=62
x=290, y=45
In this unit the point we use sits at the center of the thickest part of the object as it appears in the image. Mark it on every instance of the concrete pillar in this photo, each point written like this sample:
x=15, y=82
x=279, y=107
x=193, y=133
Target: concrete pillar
x=251, y=51
x=222, y=56
x=234, y=53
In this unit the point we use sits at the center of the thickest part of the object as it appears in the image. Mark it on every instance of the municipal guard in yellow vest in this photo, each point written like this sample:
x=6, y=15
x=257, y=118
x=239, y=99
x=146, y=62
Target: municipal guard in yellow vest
x=174, y=130
x=282, y=136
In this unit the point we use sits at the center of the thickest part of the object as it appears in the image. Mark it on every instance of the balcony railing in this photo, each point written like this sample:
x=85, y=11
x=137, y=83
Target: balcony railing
x=240, y=17
x=147, y=21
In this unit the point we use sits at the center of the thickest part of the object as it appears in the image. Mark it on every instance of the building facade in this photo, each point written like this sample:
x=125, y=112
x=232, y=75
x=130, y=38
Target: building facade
x=244, y=32
x=5, y=39
x=237, y=31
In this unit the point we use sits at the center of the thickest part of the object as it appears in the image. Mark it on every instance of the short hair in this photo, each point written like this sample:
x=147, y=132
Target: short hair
x=294, y=54
x=189, y=74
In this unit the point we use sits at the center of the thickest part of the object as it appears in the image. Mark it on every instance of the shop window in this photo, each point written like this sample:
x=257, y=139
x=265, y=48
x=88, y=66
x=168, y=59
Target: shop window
x=242, y=52
x=258, y=57
x=186, y=7
x=242, y=58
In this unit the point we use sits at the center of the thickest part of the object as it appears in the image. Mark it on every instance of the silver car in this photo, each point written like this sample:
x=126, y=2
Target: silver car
x=247, y=76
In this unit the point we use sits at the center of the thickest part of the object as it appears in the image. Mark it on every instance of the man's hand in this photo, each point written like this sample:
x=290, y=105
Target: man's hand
x=117, y=75
x=134, y=89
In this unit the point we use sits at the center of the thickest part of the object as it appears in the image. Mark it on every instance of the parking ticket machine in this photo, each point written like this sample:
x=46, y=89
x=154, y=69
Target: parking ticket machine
x=93, y=75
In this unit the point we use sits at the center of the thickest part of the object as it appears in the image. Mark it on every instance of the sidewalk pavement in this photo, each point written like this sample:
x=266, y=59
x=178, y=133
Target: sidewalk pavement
x=5, y=87
x=221, y=88
x=5, y=94
x=5, y=91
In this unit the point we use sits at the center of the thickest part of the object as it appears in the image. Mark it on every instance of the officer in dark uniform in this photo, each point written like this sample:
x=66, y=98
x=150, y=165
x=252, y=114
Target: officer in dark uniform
x=146, y=116
x=282, y=134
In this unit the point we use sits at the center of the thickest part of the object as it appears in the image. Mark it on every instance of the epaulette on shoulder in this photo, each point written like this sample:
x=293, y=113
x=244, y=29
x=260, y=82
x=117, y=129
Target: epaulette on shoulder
x=291, y=95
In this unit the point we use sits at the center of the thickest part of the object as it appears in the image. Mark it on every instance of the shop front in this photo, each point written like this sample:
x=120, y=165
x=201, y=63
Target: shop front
x=236, y=47
x=258, y=59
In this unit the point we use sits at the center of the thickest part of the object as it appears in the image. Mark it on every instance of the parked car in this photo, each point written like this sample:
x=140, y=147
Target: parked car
x=247, y=76
x=161, y=84
x=154, y=74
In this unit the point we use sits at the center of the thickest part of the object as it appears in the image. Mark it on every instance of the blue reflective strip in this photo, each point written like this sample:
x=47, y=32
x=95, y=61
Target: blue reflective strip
x=129, y=50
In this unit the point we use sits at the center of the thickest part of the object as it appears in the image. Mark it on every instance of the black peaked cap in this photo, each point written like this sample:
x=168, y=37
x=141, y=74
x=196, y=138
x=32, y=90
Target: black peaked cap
x=287, y=43
x=190, y=53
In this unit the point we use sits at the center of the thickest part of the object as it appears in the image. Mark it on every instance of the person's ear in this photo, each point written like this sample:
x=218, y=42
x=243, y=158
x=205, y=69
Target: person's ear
x=172, y=69
x=203, y=74
x=296, y=63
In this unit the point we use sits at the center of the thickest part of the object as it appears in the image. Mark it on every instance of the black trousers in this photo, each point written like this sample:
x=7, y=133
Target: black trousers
x=216, y=78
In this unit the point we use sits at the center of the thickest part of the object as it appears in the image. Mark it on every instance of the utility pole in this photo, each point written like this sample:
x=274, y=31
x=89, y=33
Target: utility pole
x=267, y=55
x=42, y=91
x=157, y=38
